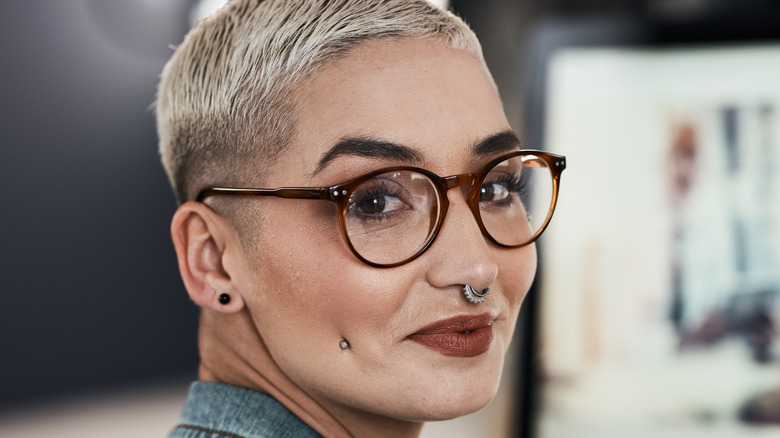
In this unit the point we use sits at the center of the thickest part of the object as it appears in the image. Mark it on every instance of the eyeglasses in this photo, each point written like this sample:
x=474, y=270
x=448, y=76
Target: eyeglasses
x=391, y=216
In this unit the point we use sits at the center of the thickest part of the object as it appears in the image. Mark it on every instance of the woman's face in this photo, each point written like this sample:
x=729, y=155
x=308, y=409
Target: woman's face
x=306, y=291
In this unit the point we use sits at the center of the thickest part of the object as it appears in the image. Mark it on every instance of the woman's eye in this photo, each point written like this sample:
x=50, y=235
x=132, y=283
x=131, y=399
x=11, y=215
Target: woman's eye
x=379, y=204
x=493, y=192
x=378, y=200
x=503, y=189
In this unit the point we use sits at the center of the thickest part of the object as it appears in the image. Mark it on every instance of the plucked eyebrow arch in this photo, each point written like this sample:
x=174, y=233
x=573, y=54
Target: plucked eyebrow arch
x=496, y=144
x=370, y=148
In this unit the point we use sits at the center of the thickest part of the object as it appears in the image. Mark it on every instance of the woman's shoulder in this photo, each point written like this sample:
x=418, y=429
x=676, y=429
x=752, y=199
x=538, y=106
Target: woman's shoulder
x=216, y=410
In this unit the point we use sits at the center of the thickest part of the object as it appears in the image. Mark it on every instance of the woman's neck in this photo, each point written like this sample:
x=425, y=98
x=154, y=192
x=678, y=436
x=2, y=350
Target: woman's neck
x=362, y=424
x=233, y=352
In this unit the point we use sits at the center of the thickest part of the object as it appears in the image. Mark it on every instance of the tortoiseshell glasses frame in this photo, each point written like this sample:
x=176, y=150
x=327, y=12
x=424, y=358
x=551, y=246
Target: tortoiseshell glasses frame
x=392, y=209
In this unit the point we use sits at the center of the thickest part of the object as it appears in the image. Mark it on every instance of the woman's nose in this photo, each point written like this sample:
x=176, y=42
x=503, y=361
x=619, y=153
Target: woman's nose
x=461, y=255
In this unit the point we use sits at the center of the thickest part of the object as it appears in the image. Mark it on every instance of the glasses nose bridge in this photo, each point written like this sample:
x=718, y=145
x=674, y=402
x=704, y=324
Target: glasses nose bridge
x=466, y=180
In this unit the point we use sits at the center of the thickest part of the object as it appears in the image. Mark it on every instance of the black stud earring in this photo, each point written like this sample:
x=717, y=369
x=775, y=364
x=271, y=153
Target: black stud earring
x=224, y=298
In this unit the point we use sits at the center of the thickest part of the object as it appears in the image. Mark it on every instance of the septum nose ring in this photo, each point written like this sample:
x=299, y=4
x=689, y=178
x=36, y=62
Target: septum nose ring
x=474, y=296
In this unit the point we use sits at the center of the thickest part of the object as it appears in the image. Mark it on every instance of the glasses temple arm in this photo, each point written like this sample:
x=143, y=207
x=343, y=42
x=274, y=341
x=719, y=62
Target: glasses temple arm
x=291, y=192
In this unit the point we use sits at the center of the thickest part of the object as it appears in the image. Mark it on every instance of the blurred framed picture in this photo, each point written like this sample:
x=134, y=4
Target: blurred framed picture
x=658, y=312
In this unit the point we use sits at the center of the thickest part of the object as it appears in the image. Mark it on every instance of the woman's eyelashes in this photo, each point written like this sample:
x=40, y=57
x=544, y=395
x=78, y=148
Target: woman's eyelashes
x=503, y=190
x=378, y=200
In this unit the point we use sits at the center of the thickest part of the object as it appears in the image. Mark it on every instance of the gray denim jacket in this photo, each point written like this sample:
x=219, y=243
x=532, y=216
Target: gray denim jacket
x=215, y=410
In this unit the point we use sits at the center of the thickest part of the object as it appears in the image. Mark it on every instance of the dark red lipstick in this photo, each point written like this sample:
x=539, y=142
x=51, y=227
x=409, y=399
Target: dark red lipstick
x=464, y=335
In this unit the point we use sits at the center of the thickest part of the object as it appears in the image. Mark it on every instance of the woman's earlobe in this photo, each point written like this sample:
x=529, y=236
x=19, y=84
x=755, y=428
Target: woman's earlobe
x=199, y=237
x=223, y=298
x=229, y=303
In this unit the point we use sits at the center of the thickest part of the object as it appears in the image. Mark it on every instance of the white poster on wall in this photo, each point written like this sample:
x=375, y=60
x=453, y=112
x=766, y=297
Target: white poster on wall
x=660, y=307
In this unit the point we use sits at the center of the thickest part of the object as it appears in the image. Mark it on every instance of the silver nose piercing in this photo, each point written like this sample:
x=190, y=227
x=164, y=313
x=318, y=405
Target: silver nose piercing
x=474, y=296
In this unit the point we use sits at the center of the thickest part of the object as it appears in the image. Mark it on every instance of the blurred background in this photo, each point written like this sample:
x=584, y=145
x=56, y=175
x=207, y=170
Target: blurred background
x=655, y=313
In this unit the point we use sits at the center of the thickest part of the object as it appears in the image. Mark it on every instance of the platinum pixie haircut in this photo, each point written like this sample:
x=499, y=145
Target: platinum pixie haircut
x=225, y=96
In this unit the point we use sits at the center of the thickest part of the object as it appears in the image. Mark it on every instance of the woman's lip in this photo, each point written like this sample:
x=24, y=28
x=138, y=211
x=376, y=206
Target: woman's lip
x=460, y=323
x=463, y=336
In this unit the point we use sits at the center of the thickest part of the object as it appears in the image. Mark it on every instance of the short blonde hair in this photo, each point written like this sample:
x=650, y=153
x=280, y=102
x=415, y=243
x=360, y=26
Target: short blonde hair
x=225, y=95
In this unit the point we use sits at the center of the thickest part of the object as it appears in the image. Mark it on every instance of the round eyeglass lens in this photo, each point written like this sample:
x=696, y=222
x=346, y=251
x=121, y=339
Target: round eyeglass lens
x=391, y=216
x=515, y=199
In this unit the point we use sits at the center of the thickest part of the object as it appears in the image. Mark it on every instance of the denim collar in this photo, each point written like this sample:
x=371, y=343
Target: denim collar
x=219, y=410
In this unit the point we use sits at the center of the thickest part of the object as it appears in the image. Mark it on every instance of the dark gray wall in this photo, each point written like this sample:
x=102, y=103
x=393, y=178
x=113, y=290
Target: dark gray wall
x=91, y=293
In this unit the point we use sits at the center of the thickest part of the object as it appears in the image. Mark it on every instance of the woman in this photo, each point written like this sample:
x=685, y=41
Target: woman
x=375, y=295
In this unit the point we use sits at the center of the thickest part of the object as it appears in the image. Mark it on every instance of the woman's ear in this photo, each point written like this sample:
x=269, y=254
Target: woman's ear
x=201, y=238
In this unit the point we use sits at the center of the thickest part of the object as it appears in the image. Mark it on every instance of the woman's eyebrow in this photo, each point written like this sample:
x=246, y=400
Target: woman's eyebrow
x=374, y=148
x=370, y=148
x=495, y=144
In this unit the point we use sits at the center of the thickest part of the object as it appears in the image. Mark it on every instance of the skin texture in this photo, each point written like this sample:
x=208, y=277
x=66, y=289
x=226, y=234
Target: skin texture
x=304, y=291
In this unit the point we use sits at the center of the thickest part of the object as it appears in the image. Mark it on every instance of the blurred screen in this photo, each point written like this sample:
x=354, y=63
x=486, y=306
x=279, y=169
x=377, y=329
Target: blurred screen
x=659, y=307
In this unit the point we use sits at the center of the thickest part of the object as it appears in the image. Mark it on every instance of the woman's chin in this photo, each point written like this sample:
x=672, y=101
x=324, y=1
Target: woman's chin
x=461, y=391
x=452, y=412
x=453, y=405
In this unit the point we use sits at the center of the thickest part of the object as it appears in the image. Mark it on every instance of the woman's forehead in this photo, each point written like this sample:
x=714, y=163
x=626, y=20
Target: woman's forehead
x=434, y=100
